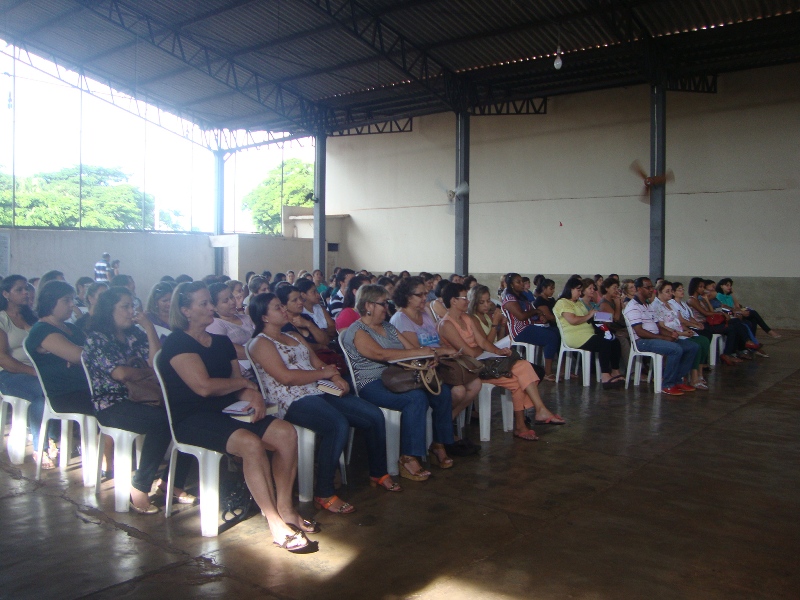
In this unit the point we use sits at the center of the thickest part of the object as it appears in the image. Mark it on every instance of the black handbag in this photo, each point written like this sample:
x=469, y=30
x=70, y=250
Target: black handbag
x=497, y=368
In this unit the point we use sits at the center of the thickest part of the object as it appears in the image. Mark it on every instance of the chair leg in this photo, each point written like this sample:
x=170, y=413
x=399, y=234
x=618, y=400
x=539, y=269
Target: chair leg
x=173, y=457
x=428, y=432
x=343, y=468
x=392, y=418
x=350, y=444
x=658, y=363
x=305, y=463
x=18, y=436
x=89, y=444
x=460, y=420
x=99, y=470
x=597, y=372
x=558, y=365
x=65, y=450
x=123, y=449
x=507, y=408
x=43, y=440
x=485, y=411
x=586, y=356
x=209, y=493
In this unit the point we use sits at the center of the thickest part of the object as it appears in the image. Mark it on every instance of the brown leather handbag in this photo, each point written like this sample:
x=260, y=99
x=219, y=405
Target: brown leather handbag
x=410, y=375
x=146, y=389
x=459, y=370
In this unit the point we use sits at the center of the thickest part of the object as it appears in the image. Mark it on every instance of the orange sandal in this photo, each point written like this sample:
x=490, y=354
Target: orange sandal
x=327, y=504
x=381, y=482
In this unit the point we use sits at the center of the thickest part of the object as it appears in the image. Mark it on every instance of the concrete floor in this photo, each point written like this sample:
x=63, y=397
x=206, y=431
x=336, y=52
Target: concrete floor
x=639, y=496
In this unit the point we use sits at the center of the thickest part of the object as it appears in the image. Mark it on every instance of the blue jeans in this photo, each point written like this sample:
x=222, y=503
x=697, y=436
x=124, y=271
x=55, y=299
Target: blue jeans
x=28, y=387
x=414, y=408
x=678, y=357
x=331, y=417
x=541, y=336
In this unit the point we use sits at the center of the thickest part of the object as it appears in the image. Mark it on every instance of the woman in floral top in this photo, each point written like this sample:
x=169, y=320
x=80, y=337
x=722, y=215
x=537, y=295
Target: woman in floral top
x=112, y=342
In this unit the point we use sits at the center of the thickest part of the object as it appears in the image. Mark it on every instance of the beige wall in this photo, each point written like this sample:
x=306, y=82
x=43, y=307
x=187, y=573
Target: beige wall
x=559, y=189
x=145, y=256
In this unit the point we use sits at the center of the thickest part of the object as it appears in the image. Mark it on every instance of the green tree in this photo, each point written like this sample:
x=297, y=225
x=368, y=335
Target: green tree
x=104, y=196
x=264, y=202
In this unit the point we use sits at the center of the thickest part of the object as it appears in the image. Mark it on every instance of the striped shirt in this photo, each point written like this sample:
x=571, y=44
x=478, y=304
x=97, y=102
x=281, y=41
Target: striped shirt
x=365, y=370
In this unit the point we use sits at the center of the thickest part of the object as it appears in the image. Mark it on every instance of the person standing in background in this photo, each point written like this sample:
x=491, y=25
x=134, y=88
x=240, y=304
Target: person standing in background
x=101, y=268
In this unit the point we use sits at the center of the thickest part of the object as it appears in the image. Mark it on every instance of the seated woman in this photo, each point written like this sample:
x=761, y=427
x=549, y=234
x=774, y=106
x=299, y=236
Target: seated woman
x=418, y=328
x=527, y=325
x=544, y=300
x=750, y=316
x=371, y=342
x=668, y=316
x=55, y=346
x=734, y=330
x=628, y=289
x=348, y=315
x=486, y=314
x=201, y=376
x=81, y=286
x=257, y=285
x=92, y=294
x=289, y=371
x=463, y=333
x=237, y=291
x=157, y=305
x=113, y=342
x=611, y=303
x=238, y=328
x=313, y=307
x=436, y=307
x=580, y=334
x=304, y=326
x=17, y=377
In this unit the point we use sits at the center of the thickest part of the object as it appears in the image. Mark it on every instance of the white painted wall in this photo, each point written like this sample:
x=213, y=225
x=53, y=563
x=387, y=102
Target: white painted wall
x=554, y=193
x=145, y=256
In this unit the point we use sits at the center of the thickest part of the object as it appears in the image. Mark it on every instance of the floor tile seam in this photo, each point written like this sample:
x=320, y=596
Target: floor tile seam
x=93, y=515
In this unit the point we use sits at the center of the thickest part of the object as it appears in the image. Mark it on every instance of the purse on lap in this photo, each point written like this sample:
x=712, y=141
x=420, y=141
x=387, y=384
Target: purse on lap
x=145, y=390
x=410, y=375
x=459, y=370
x=497, y=368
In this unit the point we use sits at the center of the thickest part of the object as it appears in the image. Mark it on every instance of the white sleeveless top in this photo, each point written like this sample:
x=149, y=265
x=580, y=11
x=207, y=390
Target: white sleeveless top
x=294, y=357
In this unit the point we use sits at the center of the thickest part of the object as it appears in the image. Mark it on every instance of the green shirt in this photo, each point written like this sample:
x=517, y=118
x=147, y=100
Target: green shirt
x=575, y=336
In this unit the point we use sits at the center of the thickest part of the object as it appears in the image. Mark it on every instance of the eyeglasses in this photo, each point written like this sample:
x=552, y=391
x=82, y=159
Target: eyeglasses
x=419, y=295
x=383, y=304
x=460, y=298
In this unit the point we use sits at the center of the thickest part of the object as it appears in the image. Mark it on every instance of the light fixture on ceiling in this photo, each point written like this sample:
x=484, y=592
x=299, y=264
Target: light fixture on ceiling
x=558, y=62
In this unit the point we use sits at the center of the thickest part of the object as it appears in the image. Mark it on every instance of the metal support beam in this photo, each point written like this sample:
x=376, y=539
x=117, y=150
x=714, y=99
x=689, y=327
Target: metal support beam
x=658, y=148
x=462, y=199
x=320, y=243
x=219, y=208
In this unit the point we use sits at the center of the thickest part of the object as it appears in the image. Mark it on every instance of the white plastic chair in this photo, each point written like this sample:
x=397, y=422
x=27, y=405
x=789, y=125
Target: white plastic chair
x=209, y=471
x=656, y=365
x=18, y=436
x=715, y=348
x=306, y=440
x=88, y=425
x=393, y=420
x=532, y=352
x=124, y=442
x=485, y=410
x=586, y=355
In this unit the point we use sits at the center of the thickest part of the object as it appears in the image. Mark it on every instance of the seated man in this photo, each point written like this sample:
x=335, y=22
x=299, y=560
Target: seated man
x=336, y=303
x=652, y=336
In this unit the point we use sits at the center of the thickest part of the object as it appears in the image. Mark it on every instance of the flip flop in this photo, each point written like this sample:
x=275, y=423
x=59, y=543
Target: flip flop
x=550, y=377
x=528, y=436
x=552, y=420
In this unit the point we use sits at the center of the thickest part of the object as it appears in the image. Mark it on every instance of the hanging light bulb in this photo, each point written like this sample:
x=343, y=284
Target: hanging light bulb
x=558, y=62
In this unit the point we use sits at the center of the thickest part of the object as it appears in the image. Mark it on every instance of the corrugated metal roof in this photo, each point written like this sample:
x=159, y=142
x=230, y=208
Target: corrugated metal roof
x=324, y=65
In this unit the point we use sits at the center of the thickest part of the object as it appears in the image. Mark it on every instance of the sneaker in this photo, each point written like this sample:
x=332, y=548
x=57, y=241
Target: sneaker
x=761, y=353
x=672, y=391
x=685, y=387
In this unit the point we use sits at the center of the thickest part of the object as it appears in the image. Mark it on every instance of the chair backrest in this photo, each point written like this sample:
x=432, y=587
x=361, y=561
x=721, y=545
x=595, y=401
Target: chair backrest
x=86, y=372
x=350, y=368
x=264, y=393
x=631, y=333
x=508, y=320
x=38, y=373
x=560, y=329
x=164, y=393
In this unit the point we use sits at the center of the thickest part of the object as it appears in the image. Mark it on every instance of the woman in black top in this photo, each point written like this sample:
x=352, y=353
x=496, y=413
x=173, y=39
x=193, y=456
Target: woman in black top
x=202, y=376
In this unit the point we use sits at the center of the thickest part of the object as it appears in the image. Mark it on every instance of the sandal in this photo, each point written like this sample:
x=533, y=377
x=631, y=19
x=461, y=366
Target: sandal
x=552, y=420
x=383, y=481
x=47, y=463
x=550, y=377
x=305, y=548
x=528, y=436
x=435, y=456
x=327, y=504
x=150, y=510
x=307, y=526
x=420, y=475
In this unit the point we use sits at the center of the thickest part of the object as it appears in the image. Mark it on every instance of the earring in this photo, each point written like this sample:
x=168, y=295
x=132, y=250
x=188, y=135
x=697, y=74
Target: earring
x=369, y=313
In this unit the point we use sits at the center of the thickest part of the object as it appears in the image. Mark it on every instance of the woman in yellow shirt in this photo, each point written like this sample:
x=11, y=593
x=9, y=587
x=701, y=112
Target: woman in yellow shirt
x=578, y=332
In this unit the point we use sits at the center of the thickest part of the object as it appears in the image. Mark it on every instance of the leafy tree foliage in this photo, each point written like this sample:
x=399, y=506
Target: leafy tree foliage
x=54, y=200
x=264, y=202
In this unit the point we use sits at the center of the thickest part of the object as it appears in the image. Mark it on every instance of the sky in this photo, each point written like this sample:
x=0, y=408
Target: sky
x=59, y=126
